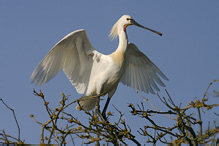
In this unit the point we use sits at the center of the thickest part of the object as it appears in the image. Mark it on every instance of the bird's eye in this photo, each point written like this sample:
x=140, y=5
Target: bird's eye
x=127, y=19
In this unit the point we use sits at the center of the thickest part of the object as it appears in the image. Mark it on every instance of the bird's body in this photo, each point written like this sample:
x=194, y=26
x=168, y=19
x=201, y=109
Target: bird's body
x=95, y=74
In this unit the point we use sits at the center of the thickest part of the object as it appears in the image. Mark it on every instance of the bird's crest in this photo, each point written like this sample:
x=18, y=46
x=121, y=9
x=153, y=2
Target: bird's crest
x=114, y=31
x=116, y=27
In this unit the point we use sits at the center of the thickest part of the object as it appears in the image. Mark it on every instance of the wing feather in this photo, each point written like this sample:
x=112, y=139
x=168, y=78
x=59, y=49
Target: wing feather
x=73, y=55
x=141, y=73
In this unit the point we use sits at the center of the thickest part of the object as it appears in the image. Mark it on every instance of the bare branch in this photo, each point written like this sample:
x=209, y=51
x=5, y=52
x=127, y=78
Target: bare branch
x=18, y=139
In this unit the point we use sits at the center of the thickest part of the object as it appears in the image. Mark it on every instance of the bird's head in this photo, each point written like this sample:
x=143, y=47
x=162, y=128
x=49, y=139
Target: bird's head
x=122, y=24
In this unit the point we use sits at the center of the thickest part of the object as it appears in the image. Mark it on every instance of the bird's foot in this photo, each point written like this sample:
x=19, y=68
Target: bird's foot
x=102, y=116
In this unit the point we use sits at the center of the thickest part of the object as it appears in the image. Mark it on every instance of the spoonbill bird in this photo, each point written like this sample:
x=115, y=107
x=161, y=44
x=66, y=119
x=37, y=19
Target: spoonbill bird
x=94, y=74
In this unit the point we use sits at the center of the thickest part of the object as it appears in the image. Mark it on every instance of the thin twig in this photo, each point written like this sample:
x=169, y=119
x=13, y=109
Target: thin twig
x=14, y=118
x=154, y=106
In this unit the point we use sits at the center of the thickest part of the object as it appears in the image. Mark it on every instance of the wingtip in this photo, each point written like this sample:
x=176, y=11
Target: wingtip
x=166, y=78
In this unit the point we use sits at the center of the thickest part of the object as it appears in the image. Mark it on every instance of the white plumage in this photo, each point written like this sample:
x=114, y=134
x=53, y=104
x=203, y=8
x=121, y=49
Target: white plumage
x=93, y=73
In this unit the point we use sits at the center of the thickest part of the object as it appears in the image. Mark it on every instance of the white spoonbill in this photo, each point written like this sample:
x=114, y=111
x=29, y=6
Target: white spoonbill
x=94, y=74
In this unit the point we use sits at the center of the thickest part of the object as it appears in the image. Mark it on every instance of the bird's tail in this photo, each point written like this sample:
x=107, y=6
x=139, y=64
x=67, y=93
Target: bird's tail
x=87, y=103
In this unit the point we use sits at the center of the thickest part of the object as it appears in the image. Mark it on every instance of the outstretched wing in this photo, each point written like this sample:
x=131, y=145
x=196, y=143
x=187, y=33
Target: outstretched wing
x=141, y=73
x=73, y=54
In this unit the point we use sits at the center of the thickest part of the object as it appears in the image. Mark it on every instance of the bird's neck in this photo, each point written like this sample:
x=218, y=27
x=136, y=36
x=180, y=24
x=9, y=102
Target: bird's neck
x=123, y=42
x=119, y=55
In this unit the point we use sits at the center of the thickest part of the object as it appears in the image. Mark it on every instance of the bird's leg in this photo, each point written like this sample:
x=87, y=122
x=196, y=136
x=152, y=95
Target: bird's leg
x=105, y=107
x=97, y=110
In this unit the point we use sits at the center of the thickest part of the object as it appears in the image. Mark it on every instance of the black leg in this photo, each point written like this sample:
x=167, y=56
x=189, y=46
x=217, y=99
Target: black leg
x=105, y=107
x=97, y=110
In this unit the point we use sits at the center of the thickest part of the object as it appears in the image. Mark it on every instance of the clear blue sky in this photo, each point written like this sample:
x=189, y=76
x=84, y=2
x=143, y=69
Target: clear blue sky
x=187, y=53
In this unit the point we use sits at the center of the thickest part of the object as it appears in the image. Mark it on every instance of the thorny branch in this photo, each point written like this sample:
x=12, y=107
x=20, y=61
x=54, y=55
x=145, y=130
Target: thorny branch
x=102, y=130
x=183, y=130
x=6, y=136
x=95, y=129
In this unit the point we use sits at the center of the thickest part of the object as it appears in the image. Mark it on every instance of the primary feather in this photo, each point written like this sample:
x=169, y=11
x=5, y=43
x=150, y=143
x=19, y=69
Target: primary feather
x=73, y=54
x=141, y=72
